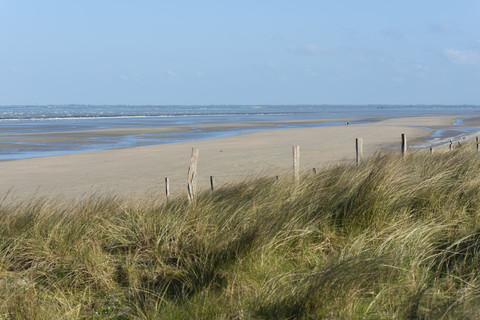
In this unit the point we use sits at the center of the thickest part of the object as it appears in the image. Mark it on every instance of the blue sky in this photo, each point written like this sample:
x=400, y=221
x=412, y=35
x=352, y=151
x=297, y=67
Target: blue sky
x=239, y=52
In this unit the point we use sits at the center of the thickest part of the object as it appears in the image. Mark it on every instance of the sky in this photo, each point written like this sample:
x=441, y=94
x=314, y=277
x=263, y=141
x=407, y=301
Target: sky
x=247, y=52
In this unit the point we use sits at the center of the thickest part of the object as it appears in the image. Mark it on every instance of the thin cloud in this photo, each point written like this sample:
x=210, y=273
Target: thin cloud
x=404, y=68
x=462, y=58
x=418, y=66
x=272, y=65
x=310, y=49
x=393, y=34
x=311, y=73
x=171, y=73
x=439, y=28
x=137, y=77
x=398, y=80
x=123, y=77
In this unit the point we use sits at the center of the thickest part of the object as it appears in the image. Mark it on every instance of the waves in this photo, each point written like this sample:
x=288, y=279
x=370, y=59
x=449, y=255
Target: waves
x=87, y=112
x=39, y=113
x=132, y=116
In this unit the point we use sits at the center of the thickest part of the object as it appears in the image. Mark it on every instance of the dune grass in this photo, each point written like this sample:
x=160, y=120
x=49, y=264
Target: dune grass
x=390, y=238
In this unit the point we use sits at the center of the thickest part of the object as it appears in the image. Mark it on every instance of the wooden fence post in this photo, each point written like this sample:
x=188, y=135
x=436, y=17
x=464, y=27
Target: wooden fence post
x=296, y=162
x=167, y=187
x=476, y=138
x=192, y=175
x=404, y=144
x=314, y=170
x=212, y=183
x=358, y=150
x=451, y=145
x=431, y=149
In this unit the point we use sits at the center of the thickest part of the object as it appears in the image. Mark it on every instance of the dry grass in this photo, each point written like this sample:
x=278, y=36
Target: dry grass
x=391, y=238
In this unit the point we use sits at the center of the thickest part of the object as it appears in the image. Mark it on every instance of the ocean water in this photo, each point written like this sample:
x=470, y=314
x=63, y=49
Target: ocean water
x=36, y=131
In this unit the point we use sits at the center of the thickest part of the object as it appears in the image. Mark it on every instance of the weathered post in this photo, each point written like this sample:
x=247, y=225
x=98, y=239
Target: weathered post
x=192, y=175
x=404, y=144
x=167, y=187
x=358, y=150
x=212, y=183
x=431, y=149
x=314, y=170
x=476, y=138
x=296, y=162
x=451, y=145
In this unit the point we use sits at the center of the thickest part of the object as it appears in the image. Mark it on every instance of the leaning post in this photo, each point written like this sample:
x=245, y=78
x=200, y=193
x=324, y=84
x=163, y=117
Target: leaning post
x=192, y=175
x=212, y=183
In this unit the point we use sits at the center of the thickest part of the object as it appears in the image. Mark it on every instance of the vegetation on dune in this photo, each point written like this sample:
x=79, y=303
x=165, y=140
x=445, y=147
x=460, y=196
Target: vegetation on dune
x=390, y=238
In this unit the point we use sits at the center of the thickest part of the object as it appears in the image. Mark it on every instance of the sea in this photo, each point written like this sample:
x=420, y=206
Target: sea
x=46, y=130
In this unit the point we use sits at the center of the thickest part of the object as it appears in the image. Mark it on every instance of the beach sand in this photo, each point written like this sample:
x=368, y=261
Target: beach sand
x=142, y=170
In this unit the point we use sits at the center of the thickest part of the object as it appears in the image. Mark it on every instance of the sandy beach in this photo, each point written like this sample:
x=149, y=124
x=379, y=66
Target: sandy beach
x=142, y=170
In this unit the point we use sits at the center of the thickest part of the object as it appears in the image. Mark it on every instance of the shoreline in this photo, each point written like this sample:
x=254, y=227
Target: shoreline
x=26, y=142
x=37, y=144
x=141, y=170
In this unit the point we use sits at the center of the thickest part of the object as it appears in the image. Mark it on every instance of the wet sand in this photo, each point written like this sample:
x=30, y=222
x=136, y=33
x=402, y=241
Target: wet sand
x=59, y=134
x=141, y=170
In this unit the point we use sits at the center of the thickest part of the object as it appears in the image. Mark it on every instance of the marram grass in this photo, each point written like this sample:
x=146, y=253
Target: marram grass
x=392, y=238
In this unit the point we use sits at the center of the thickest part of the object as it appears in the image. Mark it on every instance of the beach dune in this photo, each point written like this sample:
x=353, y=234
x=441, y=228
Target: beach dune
x=141, y=170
